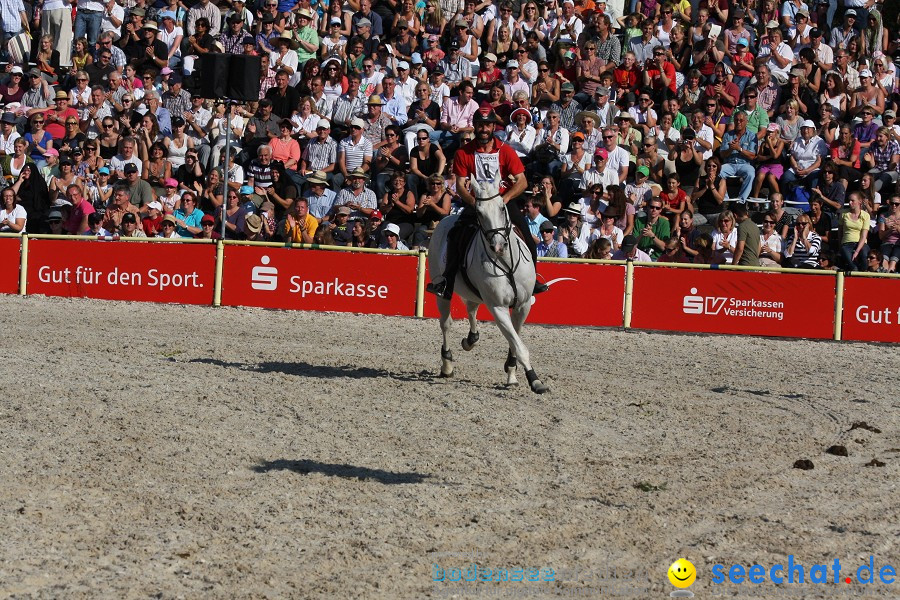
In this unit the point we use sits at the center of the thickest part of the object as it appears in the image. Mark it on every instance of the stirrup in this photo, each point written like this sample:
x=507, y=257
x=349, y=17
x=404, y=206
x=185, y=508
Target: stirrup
x=439, y=288
x=540, y=288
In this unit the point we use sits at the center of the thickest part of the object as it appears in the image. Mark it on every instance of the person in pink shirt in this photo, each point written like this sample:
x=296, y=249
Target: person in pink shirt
x=81, y=209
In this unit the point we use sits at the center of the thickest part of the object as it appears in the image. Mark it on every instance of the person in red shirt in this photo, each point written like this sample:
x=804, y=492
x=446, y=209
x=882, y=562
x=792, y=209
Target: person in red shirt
x=487, y=159
x=56, y=117
x=723, y=90
x=626, y=74
x=659, y=73
x=674, y=198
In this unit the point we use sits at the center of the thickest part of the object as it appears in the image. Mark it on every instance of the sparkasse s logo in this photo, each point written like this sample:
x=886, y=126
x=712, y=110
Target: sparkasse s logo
x=702, y=305
x=264, y=278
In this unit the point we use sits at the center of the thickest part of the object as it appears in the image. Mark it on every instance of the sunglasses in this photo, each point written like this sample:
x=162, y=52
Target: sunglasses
x=544, y=70
x=872, y=257
x=895, y=203
x=655, y=207
x=71, y=122
x=608, y=137
x=751, y=96
x=355, y=127
x=167, y=225
x=768, y=222
x=38, y=122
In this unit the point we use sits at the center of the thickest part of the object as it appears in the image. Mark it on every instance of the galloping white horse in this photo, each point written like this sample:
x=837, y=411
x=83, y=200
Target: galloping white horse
x=499, y=267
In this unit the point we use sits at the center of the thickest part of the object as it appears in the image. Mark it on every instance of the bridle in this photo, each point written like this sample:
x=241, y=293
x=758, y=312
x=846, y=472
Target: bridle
x=505, y=232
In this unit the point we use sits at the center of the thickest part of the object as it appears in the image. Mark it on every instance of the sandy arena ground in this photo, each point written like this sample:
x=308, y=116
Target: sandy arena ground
x=180, y=452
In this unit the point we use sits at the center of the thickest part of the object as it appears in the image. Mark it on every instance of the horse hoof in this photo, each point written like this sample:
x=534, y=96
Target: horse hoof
x=466, y=345
x=511, y=380
x=446, y=375
x=539, y=388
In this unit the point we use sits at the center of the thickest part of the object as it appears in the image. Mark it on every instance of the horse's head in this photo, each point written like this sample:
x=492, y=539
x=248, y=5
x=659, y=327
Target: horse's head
x=492, y=216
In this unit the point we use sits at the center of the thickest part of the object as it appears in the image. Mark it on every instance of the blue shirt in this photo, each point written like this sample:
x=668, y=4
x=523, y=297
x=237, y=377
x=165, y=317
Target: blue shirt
x=319, y=206
x=748, y=142
x=192, y=220
x=535, y=226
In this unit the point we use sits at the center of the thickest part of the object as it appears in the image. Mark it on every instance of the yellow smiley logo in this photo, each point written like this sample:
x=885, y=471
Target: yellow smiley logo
x=682, y=573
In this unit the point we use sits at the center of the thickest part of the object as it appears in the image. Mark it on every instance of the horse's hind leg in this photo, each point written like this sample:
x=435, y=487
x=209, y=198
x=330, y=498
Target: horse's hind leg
x=446, y=323
x=470, y=340
x=510, y=367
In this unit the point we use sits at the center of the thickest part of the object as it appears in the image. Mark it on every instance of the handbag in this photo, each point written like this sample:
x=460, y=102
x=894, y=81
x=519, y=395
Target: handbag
x=19, y=47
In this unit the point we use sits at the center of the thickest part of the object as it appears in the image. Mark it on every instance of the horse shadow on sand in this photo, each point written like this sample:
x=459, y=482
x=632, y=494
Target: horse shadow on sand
x=305, y=467
x=305, y=369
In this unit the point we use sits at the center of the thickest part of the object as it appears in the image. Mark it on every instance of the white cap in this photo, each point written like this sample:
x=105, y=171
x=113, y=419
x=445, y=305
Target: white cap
x=865, y=73
x=512, y=63
x=357, y=122
x=392, y=228
x=403, y=65
x=323, y=123
x=155, y=205
x=16, y=69
x=808, y=123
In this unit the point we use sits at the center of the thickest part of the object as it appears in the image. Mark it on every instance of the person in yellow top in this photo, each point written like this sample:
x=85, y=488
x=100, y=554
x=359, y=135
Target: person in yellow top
x=854, y=229
x=299, y=226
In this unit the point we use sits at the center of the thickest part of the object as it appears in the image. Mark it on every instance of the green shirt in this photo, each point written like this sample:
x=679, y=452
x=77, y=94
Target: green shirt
x=309, y=35
x=679, y=122
x=757, y=119
x=748, y=232
x=660, y=229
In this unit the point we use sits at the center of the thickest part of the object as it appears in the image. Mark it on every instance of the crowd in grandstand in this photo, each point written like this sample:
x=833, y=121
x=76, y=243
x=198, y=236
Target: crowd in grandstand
x=714, y=131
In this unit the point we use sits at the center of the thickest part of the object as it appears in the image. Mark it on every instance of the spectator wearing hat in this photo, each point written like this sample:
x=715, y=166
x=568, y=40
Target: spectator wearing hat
x=513, y=81
x=285, y=148
x=139, y=191
x=8, y=134
x=606, y=227
x=391, y=238
x=375, y=122
x=38, y=94
x=337, y=230
x=208, y=229
x=320, y=154
x=549, y=246
x=168, y=228
x=369, y=19
x=520, y=135
x=806, y=155
x=176, y=99
x=171, y=35
x=555, y=138
x=319, y=198
x=456, y=67
x=574, y=164
x=306, y=36
x=55, y=118
x=131, y=226
x=574, y=232
x=232, y=38
x=13, y=88
x=355, y=153
x=629, y=250
x=356, y=196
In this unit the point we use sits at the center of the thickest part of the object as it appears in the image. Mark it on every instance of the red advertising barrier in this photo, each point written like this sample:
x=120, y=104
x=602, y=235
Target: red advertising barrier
x=580, y=294
x=9, y=265
x=738, y=302
x=141, y=272
x=267, y=277
x=871, y=309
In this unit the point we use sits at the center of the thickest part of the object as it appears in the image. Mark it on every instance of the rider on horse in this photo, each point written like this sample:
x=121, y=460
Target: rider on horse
x=485, y=157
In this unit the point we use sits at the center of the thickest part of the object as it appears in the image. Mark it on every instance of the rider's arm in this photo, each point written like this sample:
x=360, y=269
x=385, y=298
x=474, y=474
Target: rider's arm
x=463, y=191
x=517, y=189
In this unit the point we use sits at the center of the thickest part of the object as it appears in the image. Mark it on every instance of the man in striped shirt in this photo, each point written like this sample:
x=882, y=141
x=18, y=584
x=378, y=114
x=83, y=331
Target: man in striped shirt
x=320, y=154
x=354, y=153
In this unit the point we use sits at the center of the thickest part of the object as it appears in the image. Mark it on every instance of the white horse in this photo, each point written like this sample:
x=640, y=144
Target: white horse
x=502, y=274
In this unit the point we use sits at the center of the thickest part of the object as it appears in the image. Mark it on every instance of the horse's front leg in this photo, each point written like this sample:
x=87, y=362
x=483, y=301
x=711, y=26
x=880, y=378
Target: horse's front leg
x=446, y=322
x=516, y=346
x=470, y=340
